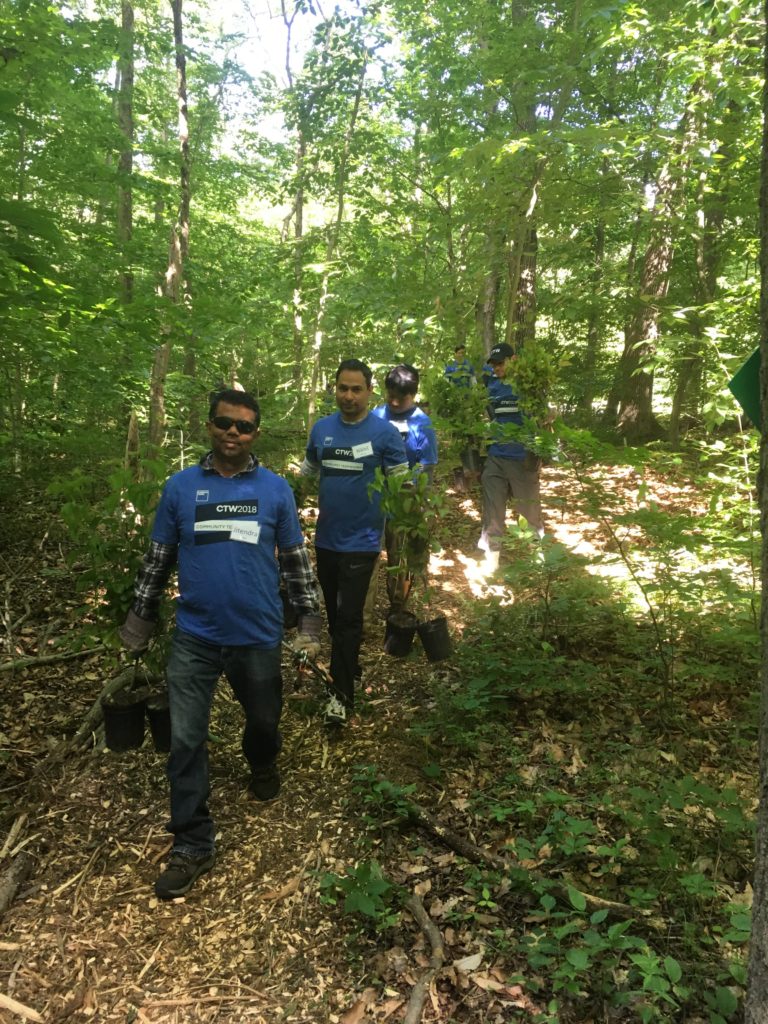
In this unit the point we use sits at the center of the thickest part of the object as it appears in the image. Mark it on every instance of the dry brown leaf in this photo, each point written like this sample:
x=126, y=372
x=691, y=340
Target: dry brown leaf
x=388, y=1007
x=576, y=765
x=468, y=964
x=487, y=983
x=356, y=1012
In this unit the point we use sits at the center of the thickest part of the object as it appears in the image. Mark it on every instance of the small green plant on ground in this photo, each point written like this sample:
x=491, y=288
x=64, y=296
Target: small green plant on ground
x=364, y=891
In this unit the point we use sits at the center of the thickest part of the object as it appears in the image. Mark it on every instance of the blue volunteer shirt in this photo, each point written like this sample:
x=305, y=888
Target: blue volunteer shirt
x=417, y=432
x=504, y=409
x=347, y=456
x=462, y=374
x=227, y=530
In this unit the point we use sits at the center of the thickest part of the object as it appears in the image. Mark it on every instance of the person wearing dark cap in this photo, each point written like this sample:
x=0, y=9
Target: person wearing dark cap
x=231, y=529
x=460, y=372
x=418, y=434
x=511, y=470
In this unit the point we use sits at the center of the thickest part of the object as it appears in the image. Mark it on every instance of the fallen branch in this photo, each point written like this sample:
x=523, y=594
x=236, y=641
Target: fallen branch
x=19, y=1008
x=10, y=881
x=186, y=1001
x=13, y=835
x=421, y=988
x=47, y=659
x=93, y=718
x=477, y=855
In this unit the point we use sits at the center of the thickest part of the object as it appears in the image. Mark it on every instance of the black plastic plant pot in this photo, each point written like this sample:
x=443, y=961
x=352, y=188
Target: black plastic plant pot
x=471, y=460
x=159, y=715
x=399, y=634
x=124, y=719
x=435, y=638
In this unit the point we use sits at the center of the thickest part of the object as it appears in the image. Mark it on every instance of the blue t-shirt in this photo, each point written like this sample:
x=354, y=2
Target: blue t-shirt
x=462, y=374
x=504, y=409
x=347, y=455
x=417, y=432
x=227, y=530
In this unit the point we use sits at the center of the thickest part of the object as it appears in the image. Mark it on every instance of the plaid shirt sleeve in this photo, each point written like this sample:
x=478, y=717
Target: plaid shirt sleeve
x=152, y=577
x=299, y=579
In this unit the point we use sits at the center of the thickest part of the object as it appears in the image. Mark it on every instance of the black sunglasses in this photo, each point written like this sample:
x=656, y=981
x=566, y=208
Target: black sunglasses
x=225, y=422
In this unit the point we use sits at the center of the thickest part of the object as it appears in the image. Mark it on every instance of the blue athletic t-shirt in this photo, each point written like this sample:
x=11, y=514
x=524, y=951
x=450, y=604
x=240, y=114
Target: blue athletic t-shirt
x=347, y=455
x=227, y=530
x=504, y=409
x=417, y=432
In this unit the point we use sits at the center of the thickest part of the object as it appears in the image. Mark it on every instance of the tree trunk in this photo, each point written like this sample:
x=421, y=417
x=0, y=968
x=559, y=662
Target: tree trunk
x=298, y=265
x=611, y=412
x=486, y=307
x=756, y=1003
x=298, y=214
x=709, y=259
x=637, y=421
x=587, y=396
x=524, y=312
x=125, y=160
x=331, y=246
x=174, y=285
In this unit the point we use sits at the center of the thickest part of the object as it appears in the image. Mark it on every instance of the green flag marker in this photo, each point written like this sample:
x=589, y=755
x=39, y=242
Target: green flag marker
x=745, y=385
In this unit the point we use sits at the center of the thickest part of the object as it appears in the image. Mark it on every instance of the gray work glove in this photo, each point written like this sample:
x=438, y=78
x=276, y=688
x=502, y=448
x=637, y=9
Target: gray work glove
x=308, y=638
x=135, y=633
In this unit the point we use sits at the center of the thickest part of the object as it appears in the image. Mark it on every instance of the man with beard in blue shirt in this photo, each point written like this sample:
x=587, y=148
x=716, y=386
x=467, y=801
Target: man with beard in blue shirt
x=345, y=450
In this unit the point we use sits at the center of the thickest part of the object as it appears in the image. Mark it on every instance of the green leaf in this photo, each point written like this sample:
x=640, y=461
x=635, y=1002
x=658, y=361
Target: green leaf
x=578, y=900
x=727, y=1003
x=578, y=958
x=673, y=969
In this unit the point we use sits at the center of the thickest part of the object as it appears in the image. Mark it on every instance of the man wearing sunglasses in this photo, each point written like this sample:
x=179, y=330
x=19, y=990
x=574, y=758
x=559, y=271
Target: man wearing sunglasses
x=230, y=527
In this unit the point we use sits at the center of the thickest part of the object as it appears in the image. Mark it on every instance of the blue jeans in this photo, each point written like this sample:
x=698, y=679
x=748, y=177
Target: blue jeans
x=193, y=670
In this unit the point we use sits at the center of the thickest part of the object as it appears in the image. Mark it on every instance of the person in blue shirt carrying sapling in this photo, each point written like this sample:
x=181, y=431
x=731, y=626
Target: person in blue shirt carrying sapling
x=511, y=470
x=418, y=434
x=231, y=528
x=345, y=449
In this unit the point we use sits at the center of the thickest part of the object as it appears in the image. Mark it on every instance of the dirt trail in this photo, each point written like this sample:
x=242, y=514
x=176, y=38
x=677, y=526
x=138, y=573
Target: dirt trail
x=87, y=940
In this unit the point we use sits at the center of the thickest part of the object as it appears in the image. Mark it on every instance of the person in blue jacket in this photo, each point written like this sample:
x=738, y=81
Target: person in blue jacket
x=460, y=372
x=415, y=427
x=345, y=449
x=231, y=528
x=511, y=470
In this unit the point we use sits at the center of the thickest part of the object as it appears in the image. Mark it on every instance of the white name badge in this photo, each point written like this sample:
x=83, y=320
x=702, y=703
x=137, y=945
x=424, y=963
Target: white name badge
x=247, y=533
x=359, y=451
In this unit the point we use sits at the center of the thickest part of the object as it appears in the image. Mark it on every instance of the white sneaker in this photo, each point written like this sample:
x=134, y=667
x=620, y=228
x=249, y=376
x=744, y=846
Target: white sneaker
x=335, y=712
x=491, y=561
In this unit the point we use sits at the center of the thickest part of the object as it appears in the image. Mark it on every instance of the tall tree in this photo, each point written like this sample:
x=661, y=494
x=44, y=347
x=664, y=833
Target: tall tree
x=125, y=160
x=174, y=284
x=756, y=1003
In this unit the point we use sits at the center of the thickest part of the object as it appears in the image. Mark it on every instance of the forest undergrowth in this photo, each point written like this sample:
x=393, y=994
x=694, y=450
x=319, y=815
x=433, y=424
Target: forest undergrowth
x=554, y=825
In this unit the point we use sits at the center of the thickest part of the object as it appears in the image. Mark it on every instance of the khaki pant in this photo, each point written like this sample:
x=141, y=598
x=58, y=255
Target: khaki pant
x=503, y=479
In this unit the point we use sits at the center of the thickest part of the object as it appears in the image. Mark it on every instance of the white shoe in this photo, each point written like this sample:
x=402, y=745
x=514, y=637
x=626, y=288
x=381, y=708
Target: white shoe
x=335, y=712
x=491, y=561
